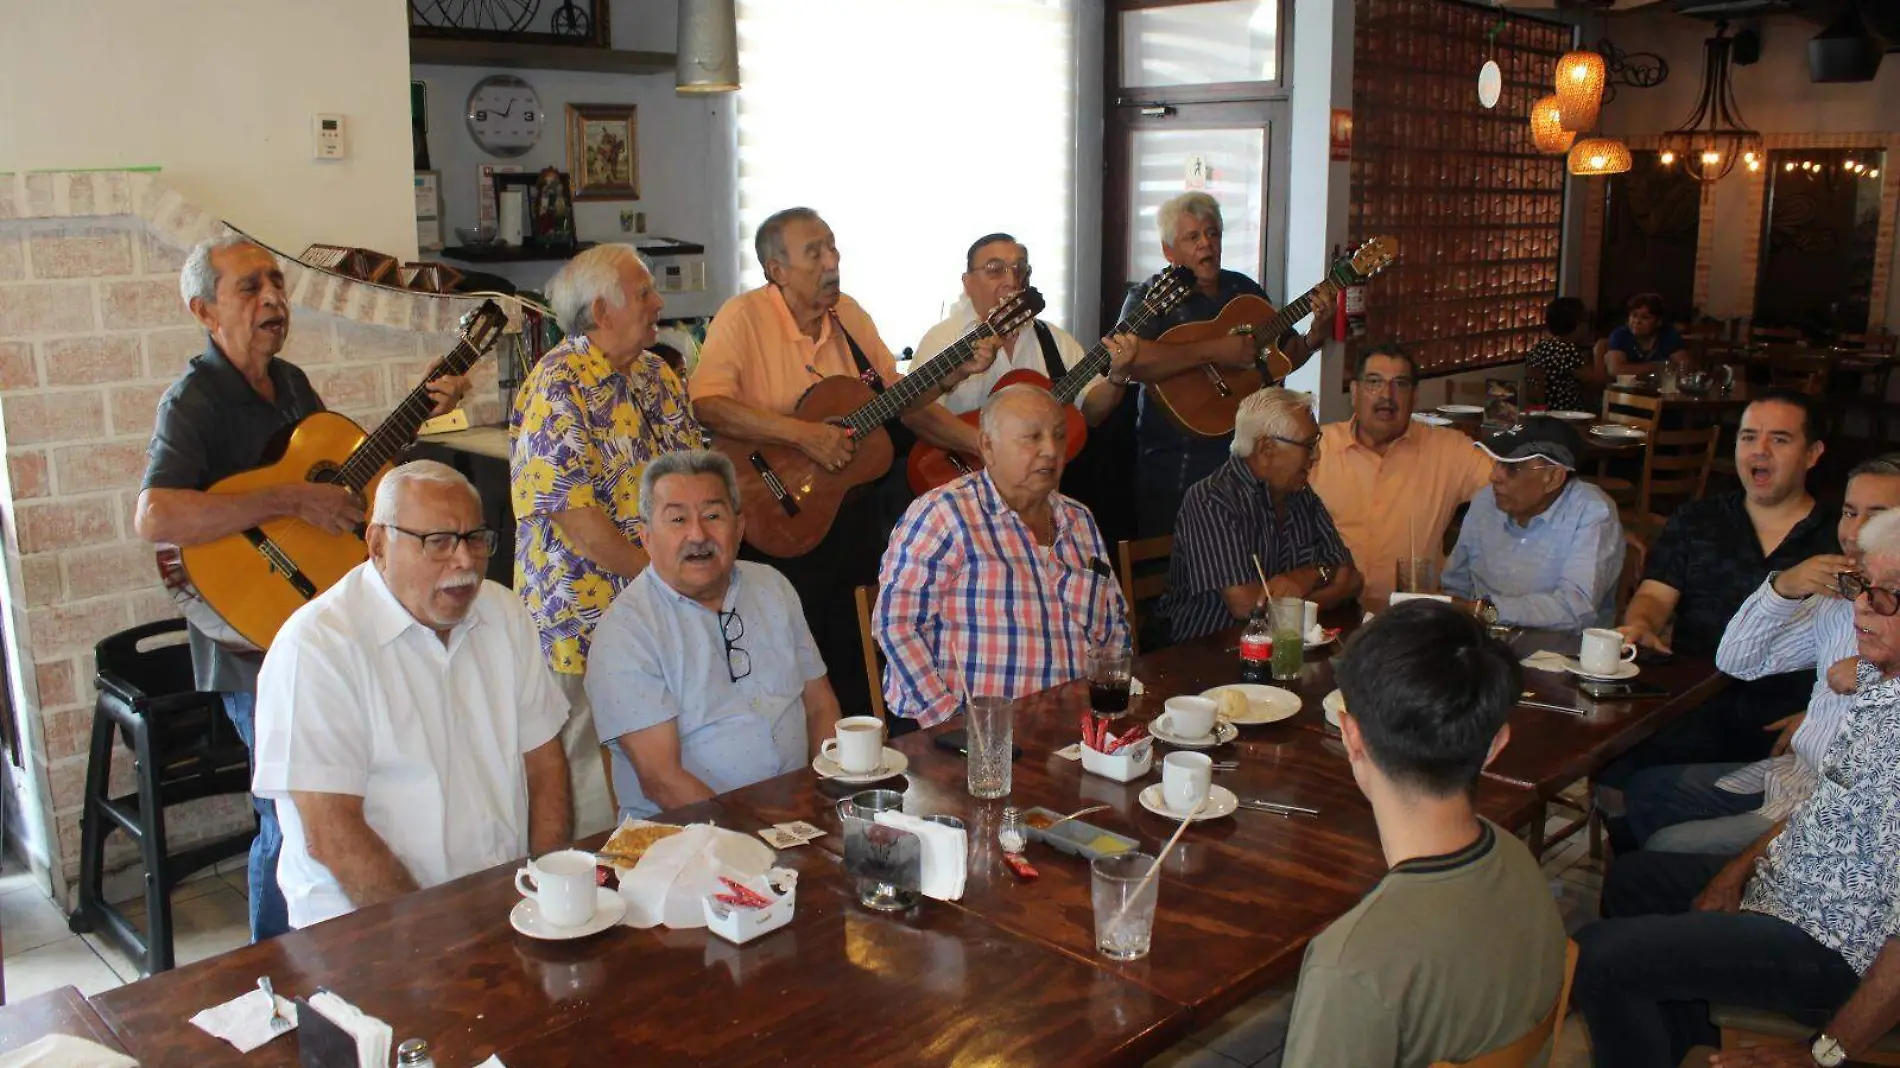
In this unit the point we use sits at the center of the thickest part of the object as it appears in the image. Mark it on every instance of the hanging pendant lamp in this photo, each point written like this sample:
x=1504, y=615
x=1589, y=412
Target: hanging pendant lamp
x=1547, y=131
x=708, y=60
x=1580, y=78
x=1595, y=156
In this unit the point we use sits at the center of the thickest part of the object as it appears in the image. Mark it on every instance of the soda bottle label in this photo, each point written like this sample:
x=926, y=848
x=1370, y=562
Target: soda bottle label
x=1256, y=647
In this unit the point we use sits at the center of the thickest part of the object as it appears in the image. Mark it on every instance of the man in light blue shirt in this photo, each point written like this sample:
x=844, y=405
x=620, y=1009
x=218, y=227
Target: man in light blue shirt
x=703, y=676
x=1539, y=547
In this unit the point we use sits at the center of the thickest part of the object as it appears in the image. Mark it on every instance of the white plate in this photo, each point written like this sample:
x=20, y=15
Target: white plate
x=1332, y=636
x=1461, y=409
x=1331, y=704
x=1224, y=732
x=1624, y=670
x=1220, y=802
x=1617, y=430
x=1428, y=417
x=1573, y=416
x=893, y=763
x=1265, y=704
x=526, y=918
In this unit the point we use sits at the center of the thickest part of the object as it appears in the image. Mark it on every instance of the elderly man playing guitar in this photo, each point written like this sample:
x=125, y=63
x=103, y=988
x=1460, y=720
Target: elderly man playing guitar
x=219, y=419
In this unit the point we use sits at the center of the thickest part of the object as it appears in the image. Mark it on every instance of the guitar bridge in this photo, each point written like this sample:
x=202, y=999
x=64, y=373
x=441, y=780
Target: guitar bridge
x=773, y=483
x=281, y=563
x=1220, y=384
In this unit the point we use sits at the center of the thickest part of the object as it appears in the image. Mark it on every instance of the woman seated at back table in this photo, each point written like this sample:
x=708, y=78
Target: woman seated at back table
x=1645, y=341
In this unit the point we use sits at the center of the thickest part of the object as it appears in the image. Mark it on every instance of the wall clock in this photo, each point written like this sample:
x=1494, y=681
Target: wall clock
x=504, y=116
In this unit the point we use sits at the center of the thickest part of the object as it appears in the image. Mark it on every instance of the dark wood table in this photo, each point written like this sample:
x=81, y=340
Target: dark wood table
x=1595, y=447
x=840, y=984
x=57, y=1012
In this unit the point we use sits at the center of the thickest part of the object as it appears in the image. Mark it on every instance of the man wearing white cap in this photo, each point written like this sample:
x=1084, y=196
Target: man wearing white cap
x=1539, y=548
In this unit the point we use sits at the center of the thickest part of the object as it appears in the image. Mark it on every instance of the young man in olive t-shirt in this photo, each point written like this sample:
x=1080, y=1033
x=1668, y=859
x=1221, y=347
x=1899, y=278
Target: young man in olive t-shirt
x=1459, y=950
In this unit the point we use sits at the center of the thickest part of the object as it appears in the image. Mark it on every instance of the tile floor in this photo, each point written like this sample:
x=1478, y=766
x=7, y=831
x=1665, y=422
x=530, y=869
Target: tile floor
x=209, y=914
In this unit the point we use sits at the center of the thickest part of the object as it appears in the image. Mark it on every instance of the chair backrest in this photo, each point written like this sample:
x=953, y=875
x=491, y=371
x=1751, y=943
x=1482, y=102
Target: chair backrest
x=1803, y=374
x=873, y=657
x=1635, y=559
x=1140, y=588
x=1879, y=341
x=1770, y=334
x=1676, y=468
x=1640, y=410
x=1546, y=1031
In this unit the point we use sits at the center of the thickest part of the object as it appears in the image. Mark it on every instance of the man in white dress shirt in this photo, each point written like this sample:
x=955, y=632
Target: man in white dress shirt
x=407, y=725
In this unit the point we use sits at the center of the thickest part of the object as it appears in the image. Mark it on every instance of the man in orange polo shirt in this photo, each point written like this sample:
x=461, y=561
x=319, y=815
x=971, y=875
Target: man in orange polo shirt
x=765, y=348
x=1391, y=483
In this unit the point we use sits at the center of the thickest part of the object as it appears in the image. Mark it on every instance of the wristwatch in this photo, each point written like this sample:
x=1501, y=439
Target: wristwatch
x=1487, y=612
x=1827, y=1050
x=1325, y=575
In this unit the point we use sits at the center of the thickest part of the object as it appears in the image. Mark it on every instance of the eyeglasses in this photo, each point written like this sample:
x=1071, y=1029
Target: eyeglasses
x=738, y=661
x=1379, y=383
x=440, y=544
x=1883, y=601
x=995, y=269
x=1308, y=445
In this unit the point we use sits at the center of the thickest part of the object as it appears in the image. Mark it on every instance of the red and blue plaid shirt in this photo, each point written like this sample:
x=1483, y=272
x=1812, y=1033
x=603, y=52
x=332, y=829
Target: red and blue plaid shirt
x=968, y=603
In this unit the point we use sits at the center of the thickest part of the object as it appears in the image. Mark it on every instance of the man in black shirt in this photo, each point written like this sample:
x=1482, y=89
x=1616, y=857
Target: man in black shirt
x=1711, y=555
x=215, y=421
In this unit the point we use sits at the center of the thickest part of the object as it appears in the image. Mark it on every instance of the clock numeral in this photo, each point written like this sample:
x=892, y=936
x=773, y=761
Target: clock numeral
x=481, y=114
x=527, y=116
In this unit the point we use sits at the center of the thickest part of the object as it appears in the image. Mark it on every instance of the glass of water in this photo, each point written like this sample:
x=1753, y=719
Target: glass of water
x=986, y=726
x=1124, y=905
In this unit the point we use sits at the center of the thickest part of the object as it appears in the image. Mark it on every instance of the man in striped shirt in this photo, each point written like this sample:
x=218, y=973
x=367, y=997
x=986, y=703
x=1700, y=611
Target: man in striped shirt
x=1256, y=515
x=1796, y=620
x=995, y=584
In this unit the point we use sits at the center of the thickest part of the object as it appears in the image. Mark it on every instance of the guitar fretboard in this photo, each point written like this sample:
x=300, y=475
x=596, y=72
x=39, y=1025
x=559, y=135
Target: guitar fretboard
x=1097, y=360
x=895, y=399
x=399, y=429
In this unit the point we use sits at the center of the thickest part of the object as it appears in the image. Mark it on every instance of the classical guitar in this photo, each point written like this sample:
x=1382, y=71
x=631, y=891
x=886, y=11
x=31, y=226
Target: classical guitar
x=789, y=499
x=239, y=589
x=1203, y=400
x=930, y=466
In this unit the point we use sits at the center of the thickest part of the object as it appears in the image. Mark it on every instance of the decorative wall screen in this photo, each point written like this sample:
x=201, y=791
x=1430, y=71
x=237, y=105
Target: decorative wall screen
x=1477, y=210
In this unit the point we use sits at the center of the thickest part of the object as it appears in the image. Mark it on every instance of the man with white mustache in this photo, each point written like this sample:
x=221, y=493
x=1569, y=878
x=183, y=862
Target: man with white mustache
x=408, y=728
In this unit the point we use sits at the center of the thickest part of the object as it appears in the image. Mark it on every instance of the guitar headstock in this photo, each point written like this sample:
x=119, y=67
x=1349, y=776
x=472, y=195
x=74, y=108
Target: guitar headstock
x=481, y=326
x=1015, y=312
x=1166, y=289
x=1372, y=257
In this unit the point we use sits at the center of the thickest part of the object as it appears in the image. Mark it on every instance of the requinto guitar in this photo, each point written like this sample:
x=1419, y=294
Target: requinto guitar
x=789, y=500
x=1204, y=400
x=930, y=466
x=239, y=589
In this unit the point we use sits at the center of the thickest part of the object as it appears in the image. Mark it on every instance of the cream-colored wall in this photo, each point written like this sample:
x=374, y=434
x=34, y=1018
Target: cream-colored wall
x=220, y=95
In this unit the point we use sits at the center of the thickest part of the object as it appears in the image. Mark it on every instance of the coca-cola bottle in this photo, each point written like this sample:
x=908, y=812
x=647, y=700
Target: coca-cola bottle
x=1256, y=649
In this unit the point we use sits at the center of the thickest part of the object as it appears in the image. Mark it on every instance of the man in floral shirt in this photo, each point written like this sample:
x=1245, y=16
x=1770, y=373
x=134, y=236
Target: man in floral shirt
x=1804, y=922
x=589, y=417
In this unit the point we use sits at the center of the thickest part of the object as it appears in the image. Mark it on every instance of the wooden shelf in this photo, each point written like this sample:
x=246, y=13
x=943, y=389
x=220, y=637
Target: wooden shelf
x=512, y=253
x=519, y=56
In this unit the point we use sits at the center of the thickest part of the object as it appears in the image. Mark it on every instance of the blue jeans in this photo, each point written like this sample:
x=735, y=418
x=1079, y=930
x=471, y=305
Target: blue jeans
x=270, y=916
x=1678, y=808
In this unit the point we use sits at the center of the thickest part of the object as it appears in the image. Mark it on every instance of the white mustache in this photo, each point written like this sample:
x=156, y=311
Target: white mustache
x=461, y=580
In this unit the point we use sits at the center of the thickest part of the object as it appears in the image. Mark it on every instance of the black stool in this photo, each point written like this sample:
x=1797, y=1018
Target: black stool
x=183, y=748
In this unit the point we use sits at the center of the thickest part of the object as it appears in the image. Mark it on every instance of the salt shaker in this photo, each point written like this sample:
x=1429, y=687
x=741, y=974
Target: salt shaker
x=414, y=1053
x=1010, y=834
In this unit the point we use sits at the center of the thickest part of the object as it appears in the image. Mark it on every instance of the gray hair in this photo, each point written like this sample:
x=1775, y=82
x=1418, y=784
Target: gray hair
x=1881, y=537
x=769, y=243
x=592, y=275
x=1199, y=205
x=687, y=462
x=994, y=404
x=1266, y=413
x=198, y=278
x=389, y=492
x=1886, y=464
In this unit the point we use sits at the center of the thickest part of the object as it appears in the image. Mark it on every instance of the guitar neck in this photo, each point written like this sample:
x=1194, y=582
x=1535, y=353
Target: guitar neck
x=1096, y=361
x=395, y=433
x=896, y=399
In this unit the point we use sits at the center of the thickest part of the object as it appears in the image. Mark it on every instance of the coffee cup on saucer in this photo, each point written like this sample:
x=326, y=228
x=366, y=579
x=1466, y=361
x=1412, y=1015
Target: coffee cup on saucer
x=1189, y=718
x=1604, y=651
x=858, y=746
x=1186, y=779
x=562, y=885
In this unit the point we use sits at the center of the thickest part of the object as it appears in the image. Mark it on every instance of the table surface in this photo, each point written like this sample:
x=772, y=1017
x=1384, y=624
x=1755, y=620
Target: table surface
x=57, y=1012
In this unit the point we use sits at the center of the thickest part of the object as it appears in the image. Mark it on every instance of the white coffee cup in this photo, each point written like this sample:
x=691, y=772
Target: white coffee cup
x=1185, y=780
x=1191, y=718
x=1309, y=618
x=563, y=886
x=858, y=747
x=1626, y=380
x=1604, y=651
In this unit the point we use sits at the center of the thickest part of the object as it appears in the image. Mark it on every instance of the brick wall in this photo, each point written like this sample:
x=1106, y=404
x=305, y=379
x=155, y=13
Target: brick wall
x=92, y=330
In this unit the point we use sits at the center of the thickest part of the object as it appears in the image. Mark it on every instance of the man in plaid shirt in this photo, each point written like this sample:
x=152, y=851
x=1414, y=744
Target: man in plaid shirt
x=995, y=584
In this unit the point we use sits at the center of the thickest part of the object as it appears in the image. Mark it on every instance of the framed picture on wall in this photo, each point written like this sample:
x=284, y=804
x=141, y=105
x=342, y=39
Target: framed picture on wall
x=602, y=154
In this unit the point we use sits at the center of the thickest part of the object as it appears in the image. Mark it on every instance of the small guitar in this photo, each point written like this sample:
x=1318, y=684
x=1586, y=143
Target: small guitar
x=239, y=589
x=1204, y=400
x=789, y=500
x=930, y=466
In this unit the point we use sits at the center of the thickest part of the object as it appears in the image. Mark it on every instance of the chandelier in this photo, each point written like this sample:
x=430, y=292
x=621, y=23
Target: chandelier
x=1713, y=137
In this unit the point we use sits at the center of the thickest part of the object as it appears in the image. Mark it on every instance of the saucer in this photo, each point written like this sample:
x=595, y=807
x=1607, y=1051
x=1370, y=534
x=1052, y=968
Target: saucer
x=1624, y=670
x=1619, y=431
x=1572, y=416
x=1224, y=732
x=1220, y=802
x=609, y=907
x=893, y=763
x=1331, y=636
x=1431, y=419
x=1331, y=705
x=1461, y=409
x=1265, y=704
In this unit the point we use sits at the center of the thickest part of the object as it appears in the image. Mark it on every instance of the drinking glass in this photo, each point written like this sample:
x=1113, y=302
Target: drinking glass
x=1109, y=672
x=986, y=722
x=1124, y=919
x=1285, y=615
x=1416, y=575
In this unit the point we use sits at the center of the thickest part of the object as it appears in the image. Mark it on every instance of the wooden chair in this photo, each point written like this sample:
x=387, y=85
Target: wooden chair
x=1742, y=1028
x=1138, y=589
x=1635, y=559
x=1801, y=373
x=1639, y=410
x=866, y=596
x=1675, y=471
x=1547, y=1031
x=1876, y=342
x=1774, y=335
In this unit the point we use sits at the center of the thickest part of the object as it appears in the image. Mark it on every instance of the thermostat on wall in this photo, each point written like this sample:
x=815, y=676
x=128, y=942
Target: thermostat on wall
x=326, y=137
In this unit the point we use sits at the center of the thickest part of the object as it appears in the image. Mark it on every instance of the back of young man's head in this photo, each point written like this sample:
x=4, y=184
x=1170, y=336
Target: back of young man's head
x=1427, y=692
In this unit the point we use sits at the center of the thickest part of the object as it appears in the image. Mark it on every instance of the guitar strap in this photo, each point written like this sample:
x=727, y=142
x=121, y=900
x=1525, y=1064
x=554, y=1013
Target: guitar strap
x=1050, y=354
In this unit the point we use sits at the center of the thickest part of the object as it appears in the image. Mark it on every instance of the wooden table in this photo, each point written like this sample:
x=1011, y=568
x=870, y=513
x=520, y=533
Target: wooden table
x=57, y=1012
x=1595, y=447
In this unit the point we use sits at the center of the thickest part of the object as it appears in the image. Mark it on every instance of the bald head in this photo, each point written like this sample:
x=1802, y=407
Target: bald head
x=1025, y=444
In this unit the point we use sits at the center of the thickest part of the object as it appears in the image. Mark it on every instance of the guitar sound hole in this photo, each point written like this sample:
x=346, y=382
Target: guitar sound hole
x=325, y=473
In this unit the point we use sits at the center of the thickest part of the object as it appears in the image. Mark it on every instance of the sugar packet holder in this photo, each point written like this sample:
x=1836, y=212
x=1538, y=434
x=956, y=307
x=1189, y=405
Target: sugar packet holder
x=778, y=887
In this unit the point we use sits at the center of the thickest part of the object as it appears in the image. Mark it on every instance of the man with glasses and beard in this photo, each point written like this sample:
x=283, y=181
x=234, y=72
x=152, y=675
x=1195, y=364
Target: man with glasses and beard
x=407, y=727
x=704, y=677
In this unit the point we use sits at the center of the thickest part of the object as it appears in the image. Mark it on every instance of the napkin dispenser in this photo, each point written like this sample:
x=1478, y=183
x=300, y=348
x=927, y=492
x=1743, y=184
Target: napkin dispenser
x=321, y=1043
x=739, y=926
x=880, y=854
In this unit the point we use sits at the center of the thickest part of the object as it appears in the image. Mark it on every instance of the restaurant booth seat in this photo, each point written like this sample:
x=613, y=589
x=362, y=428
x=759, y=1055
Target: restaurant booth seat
x=1524, y=1051
x=183, y=748
x=1742, y=1028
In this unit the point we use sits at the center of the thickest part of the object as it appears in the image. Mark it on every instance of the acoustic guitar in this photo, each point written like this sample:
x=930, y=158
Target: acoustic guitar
x=1204, y=400
x=930, y=466
x=789, y=500
x=239, y=589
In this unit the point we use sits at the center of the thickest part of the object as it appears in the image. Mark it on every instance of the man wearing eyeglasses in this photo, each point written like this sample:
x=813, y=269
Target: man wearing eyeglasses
x=704, y=676
x=1390, y=483
x=1256, y=514
x=408, y=729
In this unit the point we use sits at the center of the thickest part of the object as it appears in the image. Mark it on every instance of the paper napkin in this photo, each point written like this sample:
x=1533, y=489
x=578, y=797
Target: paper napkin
x=945, y=854
x=64, y=1051
x=245, y=1021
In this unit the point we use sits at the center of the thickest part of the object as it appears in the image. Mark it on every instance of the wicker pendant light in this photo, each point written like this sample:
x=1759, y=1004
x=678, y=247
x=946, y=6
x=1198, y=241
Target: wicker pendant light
x=1599, y=156
x=1547, y=131
x=1580, y=89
